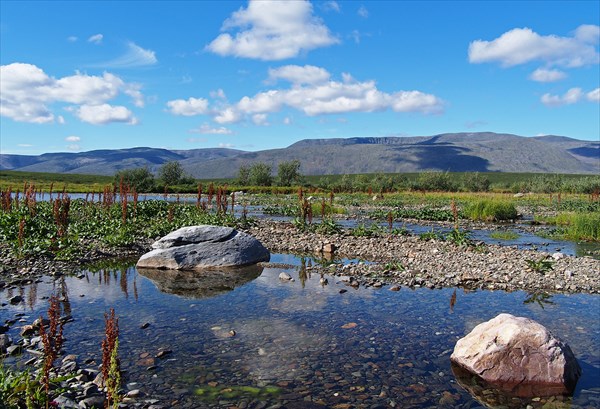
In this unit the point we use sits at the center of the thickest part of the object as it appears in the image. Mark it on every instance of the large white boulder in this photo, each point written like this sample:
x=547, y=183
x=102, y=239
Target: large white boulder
x=203, y=247
x=518, y=354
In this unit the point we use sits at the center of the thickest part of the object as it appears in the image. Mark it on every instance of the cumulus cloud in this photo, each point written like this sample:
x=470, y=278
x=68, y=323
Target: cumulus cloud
x=104, y=113
x=570, y=97
x=272, y=30
x=309, y=74
x=26, y=92
x=313, y=96
x=134, y=57
x=189, y=107
x=545, y=75
x=96, y=39
x=72, y=138
x=523, y=45
x=228, y=116
x=206, y=129
x=593, y=96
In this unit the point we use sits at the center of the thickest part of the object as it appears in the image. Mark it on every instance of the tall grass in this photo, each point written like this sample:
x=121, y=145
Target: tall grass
x=576, y=226
x=488, y=210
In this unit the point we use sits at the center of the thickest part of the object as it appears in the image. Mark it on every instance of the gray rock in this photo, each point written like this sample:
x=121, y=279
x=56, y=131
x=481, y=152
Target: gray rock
x=92, y=402
x=65, y=403
x=5, y=342
x=519, y=355
x=204, y=247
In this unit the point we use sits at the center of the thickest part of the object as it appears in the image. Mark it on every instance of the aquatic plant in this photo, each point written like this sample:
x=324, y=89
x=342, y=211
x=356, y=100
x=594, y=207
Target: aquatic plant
x=504, y=235
x=430, y=235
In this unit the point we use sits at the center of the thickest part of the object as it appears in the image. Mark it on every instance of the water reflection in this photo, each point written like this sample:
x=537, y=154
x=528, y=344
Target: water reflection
x=200, y=284
x=295, y=335
x=539, y=297
x=511, y=396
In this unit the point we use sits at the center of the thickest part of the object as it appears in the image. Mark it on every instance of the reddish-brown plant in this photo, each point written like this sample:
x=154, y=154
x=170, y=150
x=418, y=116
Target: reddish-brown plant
x=52, y=339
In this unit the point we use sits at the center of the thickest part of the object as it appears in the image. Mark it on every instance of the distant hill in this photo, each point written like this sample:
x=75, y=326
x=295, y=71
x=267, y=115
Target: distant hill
x=456, y=152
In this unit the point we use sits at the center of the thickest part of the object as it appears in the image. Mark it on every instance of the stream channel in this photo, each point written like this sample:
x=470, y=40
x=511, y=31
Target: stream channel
x=256, y=341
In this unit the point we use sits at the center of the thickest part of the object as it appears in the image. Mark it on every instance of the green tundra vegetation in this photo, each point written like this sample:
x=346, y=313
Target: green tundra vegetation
x=569, y=202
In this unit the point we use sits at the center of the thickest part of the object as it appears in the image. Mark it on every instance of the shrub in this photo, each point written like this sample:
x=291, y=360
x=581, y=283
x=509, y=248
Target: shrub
x=489, y=210
x=139, y=179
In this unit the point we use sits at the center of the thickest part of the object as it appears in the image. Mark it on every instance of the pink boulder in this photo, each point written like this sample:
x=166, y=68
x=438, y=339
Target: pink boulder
x=518, y=355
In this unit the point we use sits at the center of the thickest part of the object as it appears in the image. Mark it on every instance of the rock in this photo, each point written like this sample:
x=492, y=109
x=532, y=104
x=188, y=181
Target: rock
x=518, y=355
x=202, y=247
x=15, y=299
x=5, y=342
x=329, y=247
x=283, y=276
x=557, y=256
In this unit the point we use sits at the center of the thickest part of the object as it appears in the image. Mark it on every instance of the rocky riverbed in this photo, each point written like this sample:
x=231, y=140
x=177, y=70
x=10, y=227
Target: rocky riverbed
x=410, y=261
x=389, y=259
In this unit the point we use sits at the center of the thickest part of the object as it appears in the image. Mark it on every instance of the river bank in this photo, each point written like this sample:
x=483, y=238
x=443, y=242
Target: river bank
x=404, y=260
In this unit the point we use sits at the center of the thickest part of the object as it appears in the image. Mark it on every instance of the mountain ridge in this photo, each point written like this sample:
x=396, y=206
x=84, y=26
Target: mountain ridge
x=475, y=152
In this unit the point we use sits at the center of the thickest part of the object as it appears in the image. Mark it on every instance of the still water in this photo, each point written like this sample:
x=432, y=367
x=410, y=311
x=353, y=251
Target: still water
x=259, y=341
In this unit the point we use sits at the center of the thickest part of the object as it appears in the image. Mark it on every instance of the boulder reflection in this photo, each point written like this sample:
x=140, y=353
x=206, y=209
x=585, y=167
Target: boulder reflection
x=510, y=396
x=201, y=284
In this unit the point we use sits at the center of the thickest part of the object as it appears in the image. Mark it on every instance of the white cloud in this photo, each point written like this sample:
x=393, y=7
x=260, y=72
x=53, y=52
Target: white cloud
x=363, y=12
x=313, y=92
x=331, y=6
x=189, y=107
x=297, y=75
x=72, y=39
x=272, y=30
x=226, y=145
x=523, y=45
x=104, y=114
x=333, y=97
x=135, y=56
x=206, y=129
x=72, y=138
x=594, y=95
x=260, y=119
x=61, y=120
x=26, y=92
x=570, y=97
x=287, y=120
x=228, y=116
x=588, y=33
x=545, y=75
x=96, y=39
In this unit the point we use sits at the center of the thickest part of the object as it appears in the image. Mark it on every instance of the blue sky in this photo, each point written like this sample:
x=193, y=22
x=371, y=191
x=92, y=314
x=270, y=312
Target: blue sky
x=79, y=76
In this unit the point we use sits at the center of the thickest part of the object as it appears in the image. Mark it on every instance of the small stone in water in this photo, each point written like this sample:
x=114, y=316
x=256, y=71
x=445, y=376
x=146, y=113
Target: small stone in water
x=145, y=325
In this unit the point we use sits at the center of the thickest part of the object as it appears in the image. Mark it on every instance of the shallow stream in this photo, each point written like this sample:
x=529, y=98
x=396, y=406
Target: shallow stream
x=260, y=341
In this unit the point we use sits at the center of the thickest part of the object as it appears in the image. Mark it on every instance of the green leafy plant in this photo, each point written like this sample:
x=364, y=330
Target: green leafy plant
x=459, y=238
x=541, y=266
x=394, y=265
x=430, y=235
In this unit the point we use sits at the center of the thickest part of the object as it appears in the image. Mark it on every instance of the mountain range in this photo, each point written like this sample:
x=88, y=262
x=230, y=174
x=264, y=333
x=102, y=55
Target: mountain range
x=455, y=152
